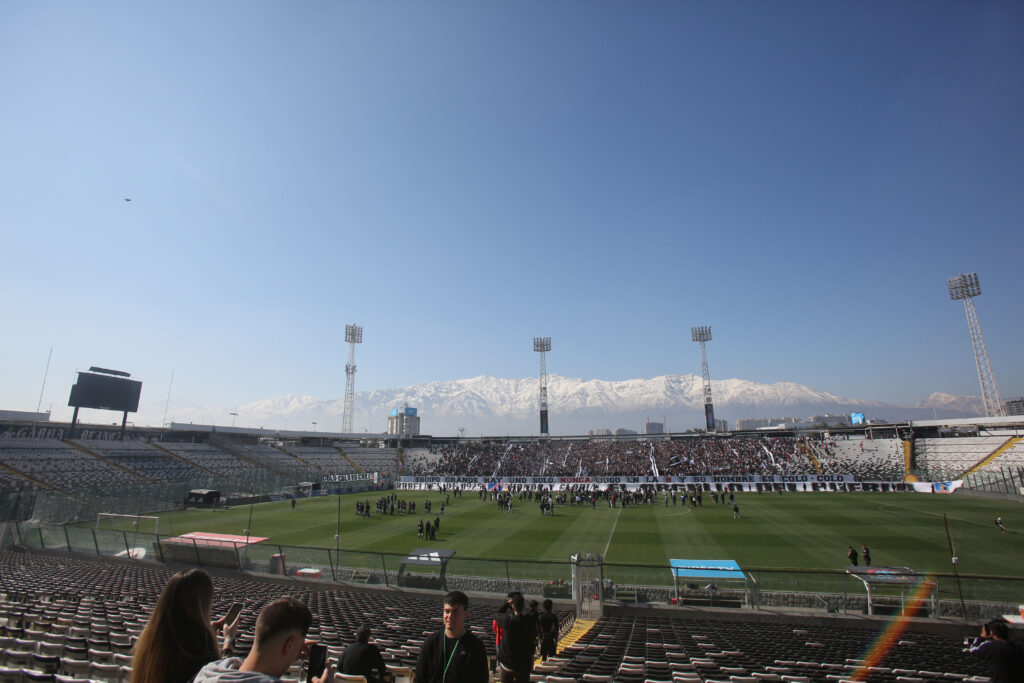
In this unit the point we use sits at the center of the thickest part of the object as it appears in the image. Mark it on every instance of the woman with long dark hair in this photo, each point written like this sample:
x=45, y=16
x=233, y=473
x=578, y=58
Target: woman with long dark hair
x=179, y=638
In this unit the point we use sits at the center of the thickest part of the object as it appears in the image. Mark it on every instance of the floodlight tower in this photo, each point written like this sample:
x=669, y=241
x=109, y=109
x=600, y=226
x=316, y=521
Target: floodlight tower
x=966, y=287
x=353, y=335
x=542, y=345
x=702, y=335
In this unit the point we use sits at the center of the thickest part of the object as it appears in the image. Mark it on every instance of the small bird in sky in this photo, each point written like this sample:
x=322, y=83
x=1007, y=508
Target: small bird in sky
x=127, y=199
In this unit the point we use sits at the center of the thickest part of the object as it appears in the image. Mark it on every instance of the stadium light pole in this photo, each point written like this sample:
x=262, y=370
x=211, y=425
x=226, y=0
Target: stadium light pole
x=248, y=526
x=542, y=345
x=233, y=416
x=702, y=335
x=353, y=336
x=337, y=535
x=966, y=287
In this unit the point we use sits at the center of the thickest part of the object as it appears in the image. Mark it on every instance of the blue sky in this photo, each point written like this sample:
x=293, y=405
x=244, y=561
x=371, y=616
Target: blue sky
x=461, y=177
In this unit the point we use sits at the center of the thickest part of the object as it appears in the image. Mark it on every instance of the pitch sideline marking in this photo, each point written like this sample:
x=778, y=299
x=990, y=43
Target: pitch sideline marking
x=882, y=506
x=614, y=524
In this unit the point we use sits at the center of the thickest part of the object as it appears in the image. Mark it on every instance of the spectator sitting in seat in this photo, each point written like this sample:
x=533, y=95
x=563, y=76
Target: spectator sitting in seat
x=179, y=639
x=363, y=658
x=280, y=640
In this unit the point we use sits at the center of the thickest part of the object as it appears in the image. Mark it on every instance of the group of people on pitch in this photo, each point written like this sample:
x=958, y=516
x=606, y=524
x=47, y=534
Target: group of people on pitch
x=865, y=553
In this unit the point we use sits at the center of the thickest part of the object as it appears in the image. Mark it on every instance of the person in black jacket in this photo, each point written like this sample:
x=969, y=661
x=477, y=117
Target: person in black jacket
x=453, y=654
x=518, y=642
x=547, y=625
x=999, y=654
x=363, y=658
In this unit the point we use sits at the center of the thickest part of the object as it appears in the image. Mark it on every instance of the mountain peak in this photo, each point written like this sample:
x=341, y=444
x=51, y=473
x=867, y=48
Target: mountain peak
x=496, y=405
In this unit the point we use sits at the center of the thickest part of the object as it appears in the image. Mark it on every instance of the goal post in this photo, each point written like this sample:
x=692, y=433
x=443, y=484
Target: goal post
x=146, y=524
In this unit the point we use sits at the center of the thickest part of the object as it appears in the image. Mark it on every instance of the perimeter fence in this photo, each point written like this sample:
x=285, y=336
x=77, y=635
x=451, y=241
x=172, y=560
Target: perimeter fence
x=818, y=591
x=84, y=504
x=1005, y=480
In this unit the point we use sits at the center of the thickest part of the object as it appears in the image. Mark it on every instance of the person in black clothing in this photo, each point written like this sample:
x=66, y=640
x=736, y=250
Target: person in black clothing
x=866, y=555
x=853, y=556
x=454, y=654
x=518, y=641
x=363, y=658
x=547, y=626
x=1003, y=659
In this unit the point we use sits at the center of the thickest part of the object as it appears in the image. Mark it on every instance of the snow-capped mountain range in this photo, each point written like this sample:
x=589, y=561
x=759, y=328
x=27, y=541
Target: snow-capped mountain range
x=496, y=406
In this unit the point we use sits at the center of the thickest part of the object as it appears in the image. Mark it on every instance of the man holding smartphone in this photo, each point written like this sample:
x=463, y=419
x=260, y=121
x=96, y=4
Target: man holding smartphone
x=280, y=641
x=999, y=654
x=519, y=639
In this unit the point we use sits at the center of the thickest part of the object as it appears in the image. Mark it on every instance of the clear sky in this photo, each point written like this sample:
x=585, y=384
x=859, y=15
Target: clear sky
x=459, y=177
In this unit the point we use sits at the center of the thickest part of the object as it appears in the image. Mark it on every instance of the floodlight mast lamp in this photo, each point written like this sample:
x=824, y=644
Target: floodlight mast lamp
x=353, y=336
x=702, y=335
x=966, y=287
x=542, y=345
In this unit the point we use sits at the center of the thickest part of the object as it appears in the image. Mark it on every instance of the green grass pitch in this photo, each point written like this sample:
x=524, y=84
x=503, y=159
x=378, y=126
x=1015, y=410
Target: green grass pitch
x=801, y=530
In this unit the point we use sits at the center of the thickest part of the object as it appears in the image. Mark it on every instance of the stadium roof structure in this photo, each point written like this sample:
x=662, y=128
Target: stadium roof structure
x=259, y=431
x=902, y=578
x=207, y=549
x=1008, y=421
x=711, y=570
x=706, y=569
x=205, y=538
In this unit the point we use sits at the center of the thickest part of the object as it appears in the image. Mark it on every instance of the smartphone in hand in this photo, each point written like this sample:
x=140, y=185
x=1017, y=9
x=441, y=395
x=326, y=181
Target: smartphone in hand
x=317, y=662
x=233, y=613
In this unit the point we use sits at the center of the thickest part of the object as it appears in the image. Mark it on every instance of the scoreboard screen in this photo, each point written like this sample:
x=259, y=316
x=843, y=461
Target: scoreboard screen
x=105, y=392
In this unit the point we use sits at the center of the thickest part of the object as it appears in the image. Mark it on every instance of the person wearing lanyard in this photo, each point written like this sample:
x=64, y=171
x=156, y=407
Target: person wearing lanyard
x=453, y=654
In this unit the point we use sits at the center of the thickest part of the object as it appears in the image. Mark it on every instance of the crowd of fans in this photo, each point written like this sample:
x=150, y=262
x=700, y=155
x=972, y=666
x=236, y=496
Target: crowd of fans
x=764, y=455
x=879, y=459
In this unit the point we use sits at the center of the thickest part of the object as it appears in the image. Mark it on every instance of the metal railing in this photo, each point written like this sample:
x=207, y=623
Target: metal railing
x=1007, y=480
x=832, y=591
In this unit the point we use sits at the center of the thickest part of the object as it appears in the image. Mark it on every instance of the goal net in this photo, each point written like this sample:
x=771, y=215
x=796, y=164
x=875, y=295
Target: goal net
x=146, y=524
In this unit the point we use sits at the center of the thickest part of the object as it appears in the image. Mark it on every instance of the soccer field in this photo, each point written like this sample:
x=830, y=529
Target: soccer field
x=804, y=531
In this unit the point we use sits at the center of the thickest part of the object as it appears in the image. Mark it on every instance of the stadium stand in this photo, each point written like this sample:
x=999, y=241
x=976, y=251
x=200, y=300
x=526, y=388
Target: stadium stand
x=143, y=459
x=1012, y=457
x=274, y=459
x=384, y=460
x=949, y=458
x=420, y=461
x=328, y=460
x=876, y=460
x=872, y=459
x=11, y=481
x=667, y=648
x=60, y=465
x=209, y=458
x=78, y=618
